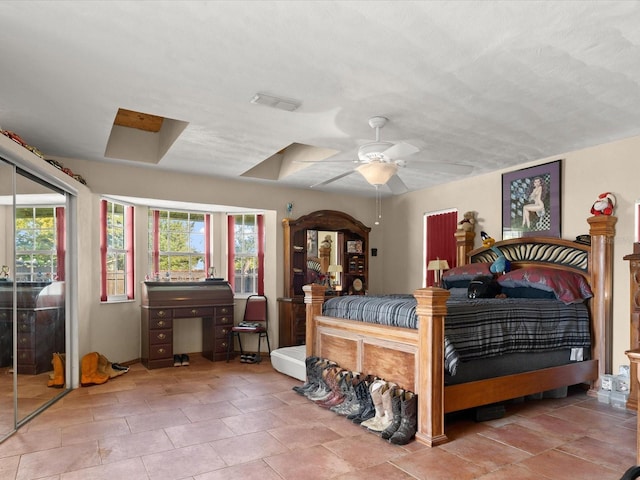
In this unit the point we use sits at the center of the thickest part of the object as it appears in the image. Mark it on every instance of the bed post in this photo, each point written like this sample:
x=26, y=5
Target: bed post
x=602, y=231
x=431, y=310
x=464, y=244
x=313, y=298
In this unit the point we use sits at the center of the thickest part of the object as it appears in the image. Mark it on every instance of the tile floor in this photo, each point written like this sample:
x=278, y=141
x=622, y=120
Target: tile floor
x=212, y=421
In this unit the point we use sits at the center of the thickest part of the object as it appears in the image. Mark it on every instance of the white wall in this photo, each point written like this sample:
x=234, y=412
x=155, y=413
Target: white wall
x=585, y=174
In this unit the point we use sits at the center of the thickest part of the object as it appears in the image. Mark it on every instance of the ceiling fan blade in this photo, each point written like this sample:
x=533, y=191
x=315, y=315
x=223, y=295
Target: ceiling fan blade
x=397, y=186
x=344, y=160
x=400, y=150
x=331, y=180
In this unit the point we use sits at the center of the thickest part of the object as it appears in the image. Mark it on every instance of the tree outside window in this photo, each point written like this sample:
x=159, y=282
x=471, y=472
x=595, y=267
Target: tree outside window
x=36, y=258
x=178, y=243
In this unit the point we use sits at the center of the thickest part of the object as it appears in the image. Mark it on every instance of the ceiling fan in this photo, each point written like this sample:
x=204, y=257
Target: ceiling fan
x=378, y=161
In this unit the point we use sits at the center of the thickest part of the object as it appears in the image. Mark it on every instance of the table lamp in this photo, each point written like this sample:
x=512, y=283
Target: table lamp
x=333, y=271
x=437, y=266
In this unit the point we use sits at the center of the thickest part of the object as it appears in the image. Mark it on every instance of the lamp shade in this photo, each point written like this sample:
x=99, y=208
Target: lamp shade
x=378, y=173
x=438, y=265
x=335, y=268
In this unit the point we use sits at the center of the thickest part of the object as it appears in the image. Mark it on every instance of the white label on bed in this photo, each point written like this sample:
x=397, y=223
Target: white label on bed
x=576, y=354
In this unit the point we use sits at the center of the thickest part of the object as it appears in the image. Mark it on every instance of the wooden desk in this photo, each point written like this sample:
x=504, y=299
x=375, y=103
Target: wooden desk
x=165, y=302
x=41, y=324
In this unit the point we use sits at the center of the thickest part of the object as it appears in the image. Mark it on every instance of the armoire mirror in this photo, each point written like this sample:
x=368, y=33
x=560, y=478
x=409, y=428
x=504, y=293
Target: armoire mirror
x=32, y=294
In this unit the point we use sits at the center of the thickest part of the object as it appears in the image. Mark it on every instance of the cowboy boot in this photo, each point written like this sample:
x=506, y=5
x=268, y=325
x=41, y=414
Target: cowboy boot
x=409, y=421
x=396, y=415
x=324, y=389
x=318, y=385
x=368, y=409
x=56, y=379
x=89, y=374
x=348, y=391
x=337, y=387
x=377, y=389
x=385, y=419
x=309, y=362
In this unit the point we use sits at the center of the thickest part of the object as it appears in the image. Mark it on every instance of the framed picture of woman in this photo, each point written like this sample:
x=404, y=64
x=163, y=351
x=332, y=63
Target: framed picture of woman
x=531, y=201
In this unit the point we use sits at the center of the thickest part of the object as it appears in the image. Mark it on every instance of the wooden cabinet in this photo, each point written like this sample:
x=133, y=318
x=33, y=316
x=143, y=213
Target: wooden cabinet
x=40, y=324
x=165, y=303
x=634, y=309
x=301, y=265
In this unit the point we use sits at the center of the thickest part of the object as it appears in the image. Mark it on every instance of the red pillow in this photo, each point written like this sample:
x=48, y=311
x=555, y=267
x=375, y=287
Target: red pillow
x=568, y=287
x=462, y=275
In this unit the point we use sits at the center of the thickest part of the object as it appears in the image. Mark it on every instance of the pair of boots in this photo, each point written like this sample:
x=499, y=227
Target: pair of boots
x=381, y=394
x=96, y=369
x=404, y=423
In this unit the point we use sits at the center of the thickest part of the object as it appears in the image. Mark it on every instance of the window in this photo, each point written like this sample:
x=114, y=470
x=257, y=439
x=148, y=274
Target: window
x=246, y=253
x=116, y=250
x=179, y=245
x=39, y=244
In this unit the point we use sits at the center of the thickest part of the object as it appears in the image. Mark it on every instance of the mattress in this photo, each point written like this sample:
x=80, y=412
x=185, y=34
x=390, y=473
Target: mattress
x=290, y=361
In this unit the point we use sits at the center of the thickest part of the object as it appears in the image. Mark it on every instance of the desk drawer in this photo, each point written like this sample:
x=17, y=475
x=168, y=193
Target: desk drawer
x=25, y=340
x=160, y=351
x=160, y=313
x=157, y=337
x=224, y=310
x=160, y=323
x=224, y=319
x=221, y=333
x=193, y=312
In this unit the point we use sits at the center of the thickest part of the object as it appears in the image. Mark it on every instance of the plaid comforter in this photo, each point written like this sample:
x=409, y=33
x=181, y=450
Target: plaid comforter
x=481, y=327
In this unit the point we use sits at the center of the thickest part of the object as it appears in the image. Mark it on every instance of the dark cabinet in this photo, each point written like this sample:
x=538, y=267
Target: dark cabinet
x=302, y=266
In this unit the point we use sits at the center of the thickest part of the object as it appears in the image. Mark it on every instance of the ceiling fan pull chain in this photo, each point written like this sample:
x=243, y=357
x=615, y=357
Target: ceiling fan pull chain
x=378, y=206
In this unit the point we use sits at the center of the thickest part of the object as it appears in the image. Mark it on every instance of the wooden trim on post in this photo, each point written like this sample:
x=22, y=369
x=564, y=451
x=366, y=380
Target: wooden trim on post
x=313, y=298
x=431, y=311
x=464, y=244
x=602, y=231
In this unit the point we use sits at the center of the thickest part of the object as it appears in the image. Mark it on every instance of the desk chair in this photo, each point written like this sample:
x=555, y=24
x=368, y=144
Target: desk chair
x=254, y=322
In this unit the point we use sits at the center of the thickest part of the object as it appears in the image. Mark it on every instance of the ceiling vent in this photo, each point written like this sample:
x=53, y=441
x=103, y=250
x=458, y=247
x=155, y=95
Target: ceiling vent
x=280, y=103
x=142, y=137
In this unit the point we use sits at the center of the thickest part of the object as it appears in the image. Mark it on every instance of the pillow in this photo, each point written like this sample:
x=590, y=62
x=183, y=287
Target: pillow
x=459, y=277
x=527, y=292
x=568, y=287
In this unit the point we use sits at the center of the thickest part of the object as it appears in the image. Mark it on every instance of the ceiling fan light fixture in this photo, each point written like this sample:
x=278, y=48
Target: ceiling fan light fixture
x=378, y=173
x=287, y=104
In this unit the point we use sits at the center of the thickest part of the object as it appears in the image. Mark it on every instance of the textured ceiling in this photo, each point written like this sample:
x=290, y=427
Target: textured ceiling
x=487, y=84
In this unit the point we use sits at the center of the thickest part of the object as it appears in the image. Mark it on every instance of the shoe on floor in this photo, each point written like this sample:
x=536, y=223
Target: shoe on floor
x=177, y=360
x=184, y=360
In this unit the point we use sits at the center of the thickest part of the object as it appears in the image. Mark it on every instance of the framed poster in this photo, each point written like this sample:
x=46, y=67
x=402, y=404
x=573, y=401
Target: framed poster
x=312, y=243
x=354, y=246
x=531, y=201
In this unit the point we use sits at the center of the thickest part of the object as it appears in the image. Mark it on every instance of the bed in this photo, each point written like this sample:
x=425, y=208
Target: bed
x=415, y=358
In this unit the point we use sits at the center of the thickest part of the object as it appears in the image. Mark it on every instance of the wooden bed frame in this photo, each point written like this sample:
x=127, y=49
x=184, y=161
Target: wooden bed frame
x=414, y=359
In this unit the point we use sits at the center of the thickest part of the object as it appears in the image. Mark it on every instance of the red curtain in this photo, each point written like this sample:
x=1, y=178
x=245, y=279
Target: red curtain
x=231, y=251
x=260, y=221
x=61, y=239
x=207, y=243
x=129, y=245
x=441, y=242
x=103, y=250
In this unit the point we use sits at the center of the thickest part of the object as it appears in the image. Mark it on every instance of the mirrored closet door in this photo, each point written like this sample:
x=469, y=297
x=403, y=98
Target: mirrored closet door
x=32, y=296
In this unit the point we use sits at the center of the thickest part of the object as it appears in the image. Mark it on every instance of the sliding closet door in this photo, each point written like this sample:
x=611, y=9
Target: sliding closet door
x=7, y=398
x=40, y=249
